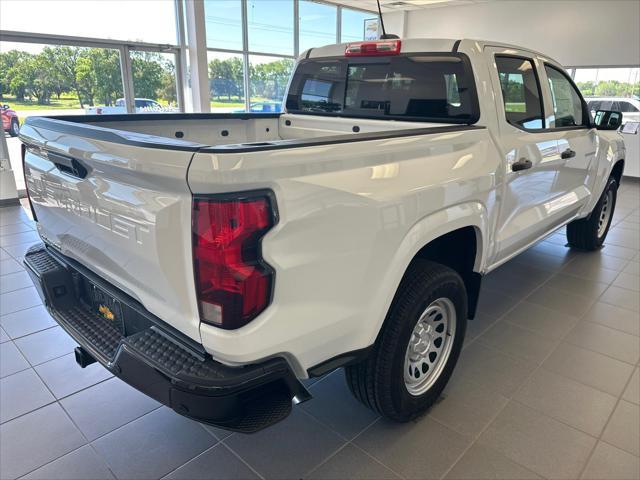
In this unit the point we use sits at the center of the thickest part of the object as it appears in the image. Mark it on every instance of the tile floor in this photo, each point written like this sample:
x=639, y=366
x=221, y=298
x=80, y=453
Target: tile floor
x=547, y=386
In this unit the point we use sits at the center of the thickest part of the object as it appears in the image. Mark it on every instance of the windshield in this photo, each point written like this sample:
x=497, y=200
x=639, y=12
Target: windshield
x=424, y=87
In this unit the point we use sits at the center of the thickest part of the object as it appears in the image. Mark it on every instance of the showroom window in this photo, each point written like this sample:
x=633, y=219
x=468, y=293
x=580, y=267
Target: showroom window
x=520, y=92
x=318, y=23
x=567, y=104
x=268, y=79
x=270, y=26
x=151, y=21
x=352, y=24
x=226, y=82
x=223, y=21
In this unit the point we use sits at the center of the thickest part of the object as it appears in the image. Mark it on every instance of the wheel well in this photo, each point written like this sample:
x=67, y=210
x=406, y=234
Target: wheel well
x=457, y=250
x=617, y=170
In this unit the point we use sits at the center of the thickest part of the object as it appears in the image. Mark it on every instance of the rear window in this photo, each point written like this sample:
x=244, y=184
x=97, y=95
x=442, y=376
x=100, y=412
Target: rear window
x=428, y=87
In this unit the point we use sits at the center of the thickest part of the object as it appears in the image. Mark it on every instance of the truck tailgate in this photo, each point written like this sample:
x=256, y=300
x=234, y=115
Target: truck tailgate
x=120, y=208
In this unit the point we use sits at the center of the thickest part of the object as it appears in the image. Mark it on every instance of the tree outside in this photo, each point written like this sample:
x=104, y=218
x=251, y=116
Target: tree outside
x=76, y=77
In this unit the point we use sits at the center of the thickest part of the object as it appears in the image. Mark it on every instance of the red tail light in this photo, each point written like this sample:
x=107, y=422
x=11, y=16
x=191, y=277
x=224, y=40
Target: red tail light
x=233, y=282
x=373, y=49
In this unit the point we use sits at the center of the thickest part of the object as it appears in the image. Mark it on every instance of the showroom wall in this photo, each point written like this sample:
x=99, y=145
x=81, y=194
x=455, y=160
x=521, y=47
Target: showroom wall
x=572, y=32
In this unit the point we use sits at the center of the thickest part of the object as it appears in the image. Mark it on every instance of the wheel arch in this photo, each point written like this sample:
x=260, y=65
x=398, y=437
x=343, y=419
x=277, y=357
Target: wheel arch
x=462, y=226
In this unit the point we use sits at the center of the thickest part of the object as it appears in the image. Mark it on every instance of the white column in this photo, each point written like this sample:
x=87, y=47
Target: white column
x=8, y=191
x=197, y=41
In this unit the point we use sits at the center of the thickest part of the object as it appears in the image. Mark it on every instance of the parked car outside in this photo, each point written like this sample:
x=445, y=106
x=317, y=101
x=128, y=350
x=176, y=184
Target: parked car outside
x=143, y=105
x=10, y=121
x=630, y=107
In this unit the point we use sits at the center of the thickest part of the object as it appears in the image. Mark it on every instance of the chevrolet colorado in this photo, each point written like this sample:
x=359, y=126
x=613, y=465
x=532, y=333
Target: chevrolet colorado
x=215, y=261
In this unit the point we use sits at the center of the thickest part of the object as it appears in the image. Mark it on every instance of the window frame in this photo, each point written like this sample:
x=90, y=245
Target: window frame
x=587, y=122
x=538, y=84
x=468, y=66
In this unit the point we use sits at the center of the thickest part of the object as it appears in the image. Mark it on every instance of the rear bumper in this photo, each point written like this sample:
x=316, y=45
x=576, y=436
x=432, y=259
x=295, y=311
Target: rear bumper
x=158, y=361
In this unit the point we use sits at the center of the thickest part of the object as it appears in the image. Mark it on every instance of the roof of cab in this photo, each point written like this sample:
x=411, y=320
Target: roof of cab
x=410, y=45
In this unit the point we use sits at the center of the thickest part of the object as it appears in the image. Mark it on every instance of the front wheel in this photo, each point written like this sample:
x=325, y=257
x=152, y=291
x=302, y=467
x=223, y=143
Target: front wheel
x=14, y=128
x=418, y=347
x=589, y=233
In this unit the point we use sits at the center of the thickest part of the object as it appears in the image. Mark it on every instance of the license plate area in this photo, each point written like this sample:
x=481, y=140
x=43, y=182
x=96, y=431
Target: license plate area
x=106, y=307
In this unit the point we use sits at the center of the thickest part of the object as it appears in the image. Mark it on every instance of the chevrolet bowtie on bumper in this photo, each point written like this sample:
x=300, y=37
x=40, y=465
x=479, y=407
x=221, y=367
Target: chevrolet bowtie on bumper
x=117, y=331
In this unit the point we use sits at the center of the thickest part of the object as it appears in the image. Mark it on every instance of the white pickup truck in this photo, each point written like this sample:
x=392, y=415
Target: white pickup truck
x=214, y=261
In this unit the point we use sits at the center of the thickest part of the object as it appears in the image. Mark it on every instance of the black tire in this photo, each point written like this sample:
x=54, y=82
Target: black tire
x=378, y=382
x=585, y=233
x=14, y=128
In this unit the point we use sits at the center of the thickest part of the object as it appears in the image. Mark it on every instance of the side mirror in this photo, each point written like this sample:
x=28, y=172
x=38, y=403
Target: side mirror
x=607, y=120
x=4, y=107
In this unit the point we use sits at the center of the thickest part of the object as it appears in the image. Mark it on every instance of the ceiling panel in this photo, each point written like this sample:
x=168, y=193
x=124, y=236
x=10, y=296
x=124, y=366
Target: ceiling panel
x=396, y=5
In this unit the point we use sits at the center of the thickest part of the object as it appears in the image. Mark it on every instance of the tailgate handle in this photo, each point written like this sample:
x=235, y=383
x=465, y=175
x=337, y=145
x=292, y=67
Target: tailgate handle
x=70, y=166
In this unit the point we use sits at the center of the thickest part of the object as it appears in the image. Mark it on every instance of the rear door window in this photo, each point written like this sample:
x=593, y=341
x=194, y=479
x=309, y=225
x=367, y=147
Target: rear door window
x=434, y=88
x=520, y=91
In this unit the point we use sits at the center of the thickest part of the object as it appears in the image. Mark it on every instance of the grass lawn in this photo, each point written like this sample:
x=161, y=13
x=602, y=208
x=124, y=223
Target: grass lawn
x=65, y=102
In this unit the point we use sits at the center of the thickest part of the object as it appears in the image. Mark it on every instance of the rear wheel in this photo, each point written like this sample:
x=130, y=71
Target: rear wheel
x=589, y=233
x=14, y=128
x=418, y=347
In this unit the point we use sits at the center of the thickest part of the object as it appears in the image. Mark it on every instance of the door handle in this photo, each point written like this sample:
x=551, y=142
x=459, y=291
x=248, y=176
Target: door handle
x=522, y=164
x=568, y=153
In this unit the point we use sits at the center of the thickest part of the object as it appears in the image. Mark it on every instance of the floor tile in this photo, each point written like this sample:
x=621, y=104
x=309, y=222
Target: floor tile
x=494, y=304
x=619, y=252
x=622, y=297
x=552, y=263
x=26, y=322
x=494, y=370
x=64, y=376
x=561, y=301
x=605, y=340
x=14, y=228
x=576, y=285
x=3, y=336
x=628, y=281
x=216, y=463
x=334, y=405
x=18, y=251
x=352, y=463
x=14, y=281
x=11, y=360
x=568, y=401
x=616, y=317
x=632, y=268
x=81, y=464
x=518, y=342
x=483, y=463
x=591, y=271
x=623, y=430
x=632, y=392
x=8, y=266
x=18, y=238
x=22, y=393
x=590, y=368
x=30, y=441
x=19, y=300
x=107, y=406
x=541, y=320
x=467, y=407
x=611, y=463
x=420, y=449
x=153, y=445
x=537, y=442
x=289, y=449
x=45, y=345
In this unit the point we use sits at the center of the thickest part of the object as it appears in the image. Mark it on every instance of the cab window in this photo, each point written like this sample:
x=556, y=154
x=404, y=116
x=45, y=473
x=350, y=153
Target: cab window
x=567, y=103
x=520, y=92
